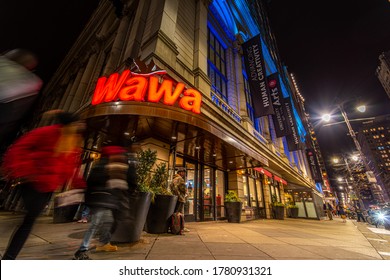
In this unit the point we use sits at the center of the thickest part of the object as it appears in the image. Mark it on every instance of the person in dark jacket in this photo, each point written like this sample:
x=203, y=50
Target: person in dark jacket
x=178, y=187
x=359, y=213
x=105, y=184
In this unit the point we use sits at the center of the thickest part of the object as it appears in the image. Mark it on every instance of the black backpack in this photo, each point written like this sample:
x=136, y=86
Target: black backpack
x=176, y=223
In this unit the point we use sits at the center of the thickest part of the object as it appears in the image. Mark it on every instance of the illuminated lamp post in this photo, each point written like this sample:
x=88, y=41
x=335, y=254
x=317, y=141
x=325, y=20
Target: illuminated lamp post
x=347, y=189
x=362, y=109
x=355, y=194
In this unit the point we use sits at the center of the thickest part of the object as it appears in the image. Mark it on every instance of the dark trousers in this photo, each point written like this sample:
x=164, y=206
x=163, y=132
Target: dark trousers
x=179, y=207
x=360, y=216
x=34, y=203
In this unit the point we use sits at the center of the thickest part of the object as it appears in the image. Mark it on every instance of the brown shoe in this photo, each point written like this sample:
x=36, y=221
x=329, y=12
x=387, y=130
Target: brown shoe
x=106, y=248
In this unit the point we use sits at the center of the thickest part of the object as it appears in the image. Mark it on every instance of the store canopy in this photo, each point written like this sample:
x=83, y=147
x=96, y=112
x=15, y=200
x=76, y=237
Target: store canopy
x=263, y=171
x=284, y=182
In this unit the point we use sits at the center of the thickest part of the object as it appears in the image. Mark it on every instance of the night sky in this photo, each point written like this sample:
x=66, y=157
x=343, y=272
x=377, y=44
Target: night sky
x=331, y=47
x=48, y=28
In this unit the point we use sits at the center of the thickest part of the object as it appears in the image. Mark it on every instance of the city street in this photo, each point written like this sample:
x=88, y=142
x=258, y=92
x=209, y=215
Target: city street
x=289, y=239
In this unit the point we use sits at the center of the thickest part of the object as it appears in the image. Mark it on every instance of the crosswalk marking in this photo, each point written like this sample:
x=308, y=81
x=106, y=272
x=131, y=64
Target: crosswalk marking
x=376, y=239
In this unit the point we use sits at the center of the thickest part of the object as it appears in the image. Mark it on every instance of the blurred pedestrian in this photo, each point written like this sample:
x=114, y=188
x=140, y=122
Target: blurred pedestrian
x=84, y=213
x=329, y=210
x=178, y=187
x=107, y=180
x=342, y=214
x=359, y=213
x=19, y=87
x=43, y=160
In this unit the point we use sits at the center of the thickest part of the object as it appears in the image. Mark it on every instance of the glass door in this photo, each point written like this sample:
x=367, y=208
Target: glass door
x=220, y=192
x=191, y=178
x=208, y=193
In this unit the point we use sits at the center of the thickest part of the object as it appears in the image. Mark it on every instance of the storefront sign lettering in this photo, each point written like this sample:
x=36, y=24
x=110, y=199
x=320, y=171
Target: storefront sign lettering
x=130, y=86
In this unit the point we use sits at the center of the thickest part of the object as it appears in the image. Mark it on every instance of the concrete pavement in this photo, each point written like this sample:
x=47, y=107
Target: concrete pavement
x=289, y=239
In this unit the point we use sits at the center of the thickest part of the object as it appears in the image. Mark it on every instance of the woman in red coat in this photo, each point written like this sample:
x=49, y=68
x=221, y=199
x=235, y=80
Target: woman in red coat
x=43, y=159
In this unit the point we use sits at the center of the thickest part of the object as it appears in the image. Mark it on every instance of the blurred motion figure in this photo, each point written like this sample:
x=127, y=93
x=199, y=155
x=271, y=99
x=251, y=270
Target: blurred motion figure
x=42, y=160
x=19, y=87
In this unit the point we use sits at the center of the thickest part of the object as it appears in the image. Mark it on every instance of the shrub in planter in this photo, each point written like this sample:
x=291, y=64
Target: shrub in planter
x=233, y=207
x=135, y=210
x=163, y=204
x=293, y=210
x=277, y=208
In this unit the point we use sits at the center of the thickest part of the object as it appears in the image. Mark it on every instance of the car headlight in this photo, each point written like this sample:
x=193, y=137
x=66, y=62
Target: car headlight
x=381, y=216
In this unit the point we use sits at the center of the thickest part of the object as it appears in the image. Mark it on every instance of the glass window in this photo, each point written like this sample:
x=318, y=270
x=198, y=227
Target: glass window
x=217, y=66
x=259, y=193
x=220, y=192
x=252, y=192
x=208, y=195
x=249, y=102
x=190, y=184
x=245, y=189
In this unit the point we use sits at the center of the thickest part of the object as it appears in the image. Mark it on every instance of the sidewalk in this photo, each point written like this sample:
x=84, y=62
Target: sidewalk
x=289, y=239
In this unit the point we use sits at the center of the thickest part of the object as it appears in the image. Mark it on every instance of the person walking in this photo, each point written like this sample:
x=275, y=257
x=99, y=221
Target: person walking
x=342, y=214
x=43, y=160
x=178, y=187
x=359, y=213
x=330, y=211
x=107, y=180
x=19, y=87
x=84, y=213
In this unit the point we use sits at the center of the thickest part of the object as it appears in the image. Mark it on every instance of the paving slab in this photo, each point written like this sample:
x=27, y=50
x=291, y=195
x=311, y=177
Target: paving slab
x=289, y=239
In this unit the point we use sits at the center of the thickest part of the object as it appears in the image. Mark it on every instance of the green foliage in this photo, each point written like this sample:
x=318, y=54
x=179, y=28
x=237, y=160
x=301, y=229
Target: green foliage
x=146, y=160
x=292, y=206
x=151, y=178
x=159, y=182
x=275, y=202
x=232, y=196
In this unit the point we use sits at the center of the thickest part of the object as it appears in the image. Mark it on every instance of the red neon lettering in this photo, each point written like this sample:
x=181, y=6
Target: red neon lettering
x=155, y=94
x=191, y=101
x=108, y=89
x=127, y=87
x=135, y=90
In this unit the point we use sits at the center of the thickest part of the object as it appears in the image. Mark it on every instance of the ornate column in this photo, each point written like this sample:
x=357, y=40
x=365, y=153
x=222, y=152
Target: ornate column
x=66, y=93
x=83, y=86
x=118, y=45
x=202, y=81
x=72, y=91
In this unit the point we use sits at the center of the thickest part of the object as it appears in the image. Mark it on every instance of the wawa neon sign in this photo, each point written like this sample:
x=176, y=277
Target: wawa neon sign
x=145, y=87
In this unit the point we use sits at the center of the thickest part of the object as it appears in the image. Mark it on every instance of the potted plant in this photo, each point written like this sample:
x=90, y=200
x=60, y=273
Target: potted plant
x=233, y=207
x=277, y=208
x=163, y=202
x=292, y=210
x=131, y=224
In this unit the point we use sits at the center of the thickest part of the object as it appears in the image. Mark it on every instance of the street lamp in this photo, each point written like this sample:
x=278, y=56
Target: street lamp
x=360, y=108
x=353, y=190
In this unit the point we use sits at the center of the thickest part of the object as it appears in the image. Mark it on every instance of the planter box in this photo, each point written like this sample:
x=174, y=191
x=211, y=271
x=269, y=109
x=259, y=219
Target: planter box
x=233, y=211
x=293, y=212
x=64, y=214
x=160, y=211
x=131, y=224
x=278, y=212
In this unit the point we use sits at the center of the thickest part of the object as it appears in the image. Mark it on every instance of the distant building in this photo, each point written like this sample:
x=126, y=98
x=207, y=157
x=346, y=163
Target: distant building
x=383, y=71
x=374, y=138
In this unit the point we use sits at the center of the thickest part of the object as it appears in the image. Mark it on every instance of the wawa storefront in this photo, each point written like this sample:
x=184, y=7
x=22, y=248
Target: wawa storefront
x=187, y=130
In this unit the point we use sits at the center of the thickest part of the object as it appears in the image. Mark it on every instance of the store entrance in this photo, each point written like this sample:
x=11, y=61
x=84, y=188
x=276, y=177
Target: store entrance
x=205, y=191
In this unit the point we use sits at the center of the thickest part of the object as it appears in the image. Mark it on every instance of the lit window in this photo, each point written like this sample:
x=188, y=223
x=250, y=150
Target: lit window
x=216, y=67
